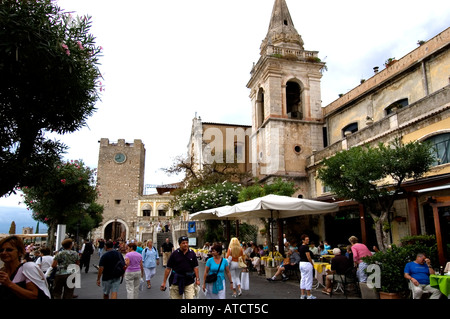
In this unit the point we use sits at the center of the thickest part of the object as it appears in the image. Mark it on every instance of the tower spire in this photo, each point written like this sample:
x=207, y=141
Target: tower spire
x=282, y=32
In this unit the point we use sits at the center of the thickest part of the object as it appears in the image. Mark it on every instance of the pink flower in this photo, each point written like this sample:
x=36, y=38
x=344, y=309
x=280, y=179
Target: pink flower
x=64, y=46
x=63, y=181
x=80, y=45
x=68, y=52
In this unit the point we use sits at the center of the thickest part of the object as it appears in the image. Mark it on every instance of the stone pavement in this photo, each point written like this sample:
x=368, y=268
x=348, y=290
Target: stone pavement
x=260, y=288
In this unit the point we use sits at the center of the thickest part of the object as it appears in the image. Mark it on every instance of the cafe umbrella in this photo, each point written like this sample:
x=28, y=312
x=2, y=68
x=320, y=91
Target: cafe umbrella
x=277, y=207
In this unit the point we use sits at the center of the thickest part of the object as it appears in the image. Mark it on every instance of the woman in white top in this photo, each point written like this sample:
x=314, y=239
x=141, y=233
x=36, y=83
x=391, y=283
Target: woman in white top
x=44, y=261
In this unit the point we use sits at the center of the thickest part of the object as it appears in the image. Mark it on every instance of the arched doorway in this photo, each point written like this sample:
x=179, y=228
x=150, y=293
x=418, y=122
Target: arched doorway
x=115, y=230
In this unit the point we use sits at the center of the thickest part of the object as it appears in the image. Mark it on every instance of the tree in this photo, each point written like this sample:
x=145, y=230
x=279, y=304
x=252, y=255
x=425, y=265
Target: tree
x=49, y=81
x=66, y=196
x=209, y=174
x=278, y=187
x=373, y=176
x=12, y=228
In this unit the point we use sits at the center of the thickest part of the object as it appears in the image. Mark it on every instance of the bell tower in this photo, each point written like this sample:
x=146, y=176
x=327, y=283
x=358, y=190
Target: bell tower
x=286, y=101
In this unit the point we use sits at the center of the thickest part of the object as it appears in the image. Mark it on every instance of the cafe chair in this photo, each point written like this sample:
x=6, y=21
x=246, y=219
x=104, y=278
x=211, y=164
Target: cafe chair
x=425, y=294
x=293, y=272
x=345, y=280
x=447, y=268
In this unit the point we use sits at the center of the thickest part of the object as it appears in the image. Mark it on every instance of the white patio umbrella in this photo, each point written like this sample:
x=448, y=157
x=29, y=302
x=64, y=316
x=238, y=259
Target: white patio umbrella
x=276, y=207
x=211, y=213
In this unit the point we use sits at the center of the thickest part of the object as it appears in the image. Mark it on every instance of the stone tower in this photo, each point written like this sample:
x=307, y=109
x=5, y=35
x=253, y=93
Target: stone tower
x=120, y=180
x=287, y=118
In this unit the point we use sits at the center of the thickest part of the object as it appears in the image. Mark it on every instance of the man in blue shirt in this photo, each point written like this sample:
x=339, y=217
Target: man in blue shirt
x=418, y=273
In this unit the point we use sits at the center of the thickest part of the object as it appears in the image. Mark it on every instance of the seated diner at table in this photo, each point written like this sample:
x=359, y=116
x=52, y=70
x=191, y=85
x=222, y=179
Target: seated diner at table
x=294, y=259
x=340, y=264
x=418, y=273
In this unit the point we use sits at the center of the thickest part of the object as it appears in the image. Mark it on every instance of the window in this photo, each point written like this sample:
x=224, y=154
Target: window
x=441, y=147
x=396, y=106
x=350, y=129
x=293, y=100
x=260, y=107
x=146, y=212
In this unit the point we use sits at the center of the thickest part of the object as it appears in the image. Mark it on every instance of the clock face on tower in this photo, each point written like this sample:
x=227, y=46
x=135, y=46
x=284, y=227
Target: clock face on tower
x=120, y=158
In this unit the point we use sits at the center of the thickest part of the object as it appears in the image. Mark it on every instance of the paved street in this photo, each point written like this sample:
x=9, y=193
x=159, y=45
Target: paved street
x=260, y=288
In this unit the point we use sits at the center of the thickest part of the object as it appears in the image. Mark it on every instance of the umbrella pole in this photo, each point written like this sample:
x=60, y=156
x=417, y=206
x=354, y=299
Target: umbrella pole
x=280, y=236
x=271, y=230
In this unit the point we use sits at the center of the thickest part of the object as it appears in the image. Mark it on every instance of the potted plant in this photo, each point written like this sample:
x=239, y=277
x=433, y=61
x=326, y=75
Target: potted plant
x=390, y=62
x=391, y=263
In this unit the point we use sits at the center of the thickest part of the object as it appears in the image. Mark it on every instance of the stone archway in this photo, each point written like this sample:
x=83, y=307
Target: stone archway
x=115, y=229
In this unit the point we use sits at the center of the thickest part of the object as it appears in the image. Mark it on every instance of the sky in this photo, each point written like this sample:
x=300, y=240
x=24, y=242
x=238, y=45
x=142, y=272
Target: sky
x=164, y=62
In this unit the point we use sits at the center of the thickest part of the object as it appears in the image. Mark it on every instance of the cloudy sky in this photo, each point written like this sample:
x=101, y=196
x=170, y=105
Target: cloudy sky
x=165, y=61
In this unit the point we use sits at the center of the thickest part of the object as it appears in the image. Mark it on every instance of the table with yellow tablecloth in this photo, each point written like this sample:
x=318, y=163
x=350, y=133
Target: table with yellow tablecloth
x=321, y=270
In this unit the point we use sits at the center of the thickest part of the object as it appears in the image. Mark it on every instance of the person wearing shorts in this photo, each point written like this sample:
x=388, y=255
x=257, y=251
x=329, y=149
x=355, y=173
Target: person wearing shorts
x=109, y=283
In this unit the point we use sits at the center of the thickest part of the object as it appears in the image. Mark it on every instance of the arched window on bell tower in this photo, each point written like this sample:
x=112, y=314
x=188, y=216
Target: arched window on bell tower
x=260, y=108
x=294, y=100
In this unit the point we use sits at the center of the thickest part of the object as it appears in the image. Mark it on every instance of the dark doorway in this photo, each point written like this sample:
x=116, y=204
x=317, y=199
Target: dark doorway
x=115, y=231
x=343, y=224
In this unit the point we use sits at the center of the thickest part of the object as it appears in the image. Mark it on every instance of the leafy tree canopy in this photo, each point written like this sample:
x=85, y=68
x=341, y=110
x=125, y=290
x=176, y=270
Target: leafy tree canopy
x=374, y=176
x=278, y=187
x=66, y=196
x=49, y=81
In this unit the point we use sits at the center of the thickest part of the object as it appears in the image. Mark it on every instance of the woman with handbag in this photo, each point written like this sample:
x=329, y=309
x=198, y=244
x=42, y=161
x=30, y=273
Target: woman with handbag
x=214, y=276
x=235, y=252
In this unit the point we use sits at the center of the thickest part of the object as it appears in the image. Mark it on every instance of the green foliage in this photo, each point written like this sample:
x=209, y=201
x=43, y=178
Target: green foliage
x=278, y=187
x=358, y=173
x=214, y=231
x=49, y=82
x=12, y=228
x=210, y=196
x=67, y=196
x=373, y=176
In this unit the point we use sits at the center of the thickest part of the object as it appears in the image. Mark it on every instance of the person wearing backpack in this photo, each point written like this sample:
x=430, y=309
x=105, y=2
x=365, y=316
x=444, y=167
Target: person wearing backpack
x=86, y=251
x=150, y=260
x=111, y=269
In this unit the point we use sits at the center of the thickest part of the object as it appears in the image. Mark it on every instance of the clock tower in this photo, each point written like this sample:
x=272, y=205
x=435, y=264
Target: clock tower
x=287, y=121
x=120, y=180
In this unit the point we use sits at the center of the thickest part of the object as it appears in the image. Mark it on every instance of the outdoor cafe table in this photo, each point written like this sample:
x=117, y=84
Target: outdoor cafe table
x=441, y=282
x=326, y=258
x=321, y=270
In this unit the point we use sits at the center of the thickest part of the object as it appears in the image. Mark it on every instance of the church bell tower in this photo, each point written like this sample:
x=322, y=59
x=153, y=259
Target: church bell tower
x=286, y=102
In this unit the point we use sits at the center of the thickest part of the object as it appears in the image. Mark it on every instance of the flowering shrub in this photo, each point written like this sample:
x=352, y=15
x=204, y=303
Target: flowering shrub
x=49, y=82
x=220, y=194
x=66, y=196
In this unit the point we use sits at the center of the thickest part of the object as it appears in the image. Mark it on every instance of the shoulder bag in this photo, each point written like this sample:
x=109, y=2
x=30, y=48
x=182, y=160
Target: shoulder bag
x=213, y=277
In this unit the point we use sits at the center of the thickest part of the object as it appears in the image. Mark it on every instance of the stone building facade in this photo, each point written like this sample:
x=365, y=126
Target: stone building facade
x=129, y=213
x=292, y=132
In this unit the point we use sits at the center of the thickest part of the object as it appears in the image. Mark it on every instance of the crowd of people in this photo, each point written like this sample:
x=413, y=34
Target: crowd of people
x=28, y=272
